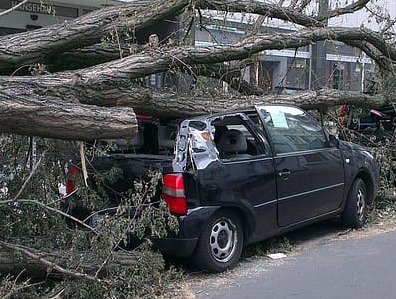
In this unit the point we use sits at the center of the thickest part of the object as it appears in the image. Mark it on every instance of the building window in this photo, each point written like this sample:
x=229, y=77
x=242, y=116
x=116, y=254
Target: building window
x=338, y=76
x=153, y=80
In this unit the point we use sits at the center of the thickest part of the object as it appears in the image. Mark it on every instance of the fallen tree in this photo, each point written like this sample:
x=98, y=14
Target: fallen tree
x=82, y=99
x=80, y=117
x=84, y=79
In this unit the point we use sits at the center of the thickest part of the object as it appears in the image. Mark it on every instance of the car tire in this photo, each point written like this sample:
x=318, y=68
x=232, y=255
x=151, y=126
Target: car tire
x=220, y=244
x=355, y=211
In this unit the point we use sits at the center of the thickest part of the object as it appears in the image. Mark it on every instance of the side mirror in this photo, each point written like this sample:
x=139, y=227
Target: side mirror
x=334, y=141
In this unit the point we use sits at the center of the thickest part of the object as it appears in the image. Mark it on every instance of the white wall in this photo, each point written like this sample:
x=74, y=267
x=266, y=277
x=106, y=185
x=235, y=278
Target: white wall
x=363, y=16
x=350, y=20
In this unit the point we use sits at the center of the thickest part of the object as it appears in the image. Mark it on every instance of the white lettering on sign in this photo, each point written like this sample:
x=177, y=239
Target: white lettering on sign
x=34, y=7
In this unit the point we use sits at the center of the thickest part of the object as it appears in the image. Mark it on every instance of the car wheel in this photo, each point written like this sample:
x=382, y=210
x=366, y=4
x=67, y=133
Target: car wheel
x=355, y=212
x=220, y=244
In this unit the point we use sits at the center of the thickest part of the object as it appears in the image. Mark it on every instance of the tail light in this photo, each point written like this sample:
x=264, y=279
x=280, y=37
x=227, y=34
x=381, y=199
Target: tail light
x=173, y=193
x=71, y=179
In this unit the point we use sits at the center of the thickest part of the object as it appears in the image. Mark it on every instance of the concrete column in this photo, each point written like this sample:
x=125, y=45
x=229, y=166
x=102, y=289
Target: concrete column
x=318, y=58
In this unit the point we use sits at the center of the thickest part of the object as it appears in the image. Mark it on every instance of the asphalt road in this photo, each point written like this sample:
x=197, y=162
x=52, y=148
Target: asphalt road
x=360, y=267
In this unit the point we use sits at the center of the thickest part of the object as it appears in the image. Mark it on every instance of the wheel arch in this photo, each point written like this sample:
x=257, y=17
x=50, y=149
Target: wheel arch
x=368, y=180
x=246, y=218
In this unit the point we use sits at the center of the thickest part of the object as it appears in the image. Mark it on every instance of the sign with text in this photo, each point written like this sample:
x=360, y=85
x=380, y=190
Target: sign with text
x=42, y=7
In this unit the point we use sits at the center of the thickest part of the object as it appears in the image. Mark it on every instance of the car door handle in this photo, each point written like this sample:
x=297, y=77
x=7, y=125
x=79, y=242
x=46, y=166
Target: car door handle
x=284, y=174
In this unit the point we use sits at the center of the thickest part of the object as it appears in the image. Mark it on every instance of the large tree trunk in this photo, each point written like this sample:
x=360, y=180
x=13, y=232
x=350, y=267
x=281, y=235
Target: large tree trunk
x=56, y=105
x=51, y=101
x=39, y=113
x=168, y=105
x=51, y=117
x=54, y=119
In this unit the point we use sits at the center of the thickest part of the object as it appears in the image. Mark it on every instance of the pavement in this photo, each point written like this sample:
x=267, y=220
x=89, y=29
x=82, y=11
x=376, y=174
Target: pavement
x=351, y=267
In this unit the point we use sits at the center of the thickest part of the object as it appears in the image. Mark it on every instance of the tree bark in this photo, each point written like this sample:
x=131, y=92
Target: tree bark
x=52, y=114
x=89, y=56
x=38, y=113
x=289, y=14
x=33, y=46
x=37, y=264
x=31, y=105
x=66, y=121
x=16, y=259
x=172, y=106
x=163, y=59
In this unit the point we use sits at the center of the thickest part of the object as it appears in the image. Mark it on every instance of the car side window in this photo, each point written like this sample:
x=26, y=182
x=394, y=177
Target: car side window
x=235, y=140
x=292, y=130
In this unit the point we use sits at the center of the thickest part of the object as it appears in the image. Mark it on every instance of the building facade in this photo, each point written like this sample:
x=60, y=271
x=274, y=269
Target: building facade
x=35, y=14
x=329, y=64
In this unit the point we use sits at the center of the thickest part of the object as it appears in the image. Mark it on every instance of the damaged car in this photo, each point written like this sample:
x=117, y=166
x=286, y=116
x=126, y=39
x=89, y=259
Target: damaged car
x=236, y=178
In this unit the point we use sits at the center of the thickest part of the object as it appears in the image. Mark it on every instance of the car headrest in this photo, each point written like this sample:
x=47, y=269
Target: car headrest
x=232, y=141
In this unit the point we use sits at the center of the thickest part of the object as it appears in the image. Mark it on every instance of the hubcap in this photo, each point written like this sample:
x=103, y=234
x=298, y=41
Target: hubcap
x=223, y=240
x=360, y=204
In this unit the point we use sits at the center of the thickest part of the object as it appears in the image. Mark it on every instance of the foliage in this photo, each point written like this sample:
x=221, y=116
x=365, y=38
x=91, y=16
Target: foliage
x=384, y=207
x=142, y=277
x=381, y=143
x=26, y=177
x=31, y=213
x=31, y=218
x=385, y=155
x=387, y=84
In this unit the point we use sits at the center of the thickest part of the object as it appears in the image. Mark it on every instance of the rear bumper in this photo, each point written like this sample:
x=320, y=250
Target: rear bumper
x=191, y=225
x=176, y=247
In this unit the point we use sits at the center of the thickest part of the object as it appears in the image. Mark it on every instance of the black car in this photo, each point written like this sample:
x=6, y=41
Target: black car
x=241, y=177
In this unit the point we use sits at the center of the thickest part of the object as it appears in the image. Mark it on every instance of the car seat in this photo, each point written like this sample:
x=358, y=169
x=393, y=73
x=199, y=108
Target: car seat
x=232, y=144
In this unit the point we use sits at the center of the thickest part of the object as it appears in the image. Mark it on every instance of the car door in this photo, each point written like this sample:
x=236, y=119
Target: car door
x=243, y=175
x=309, y=172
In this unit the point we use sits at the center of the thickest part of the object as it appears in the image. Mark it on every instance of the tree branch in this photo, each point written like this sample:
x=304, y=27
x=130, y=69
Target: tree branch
x=167, y=105
x=29, y=177
x=163, y=59
x=3, y=13
x=292, y=14
x=230, y=73
x=52, y=265
x=16, y=288
x=47, y=207
x=261, y=8
x=33, y=46
x=28, y=107
x=351, y=8
x=71, y=102
x=89, y=56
